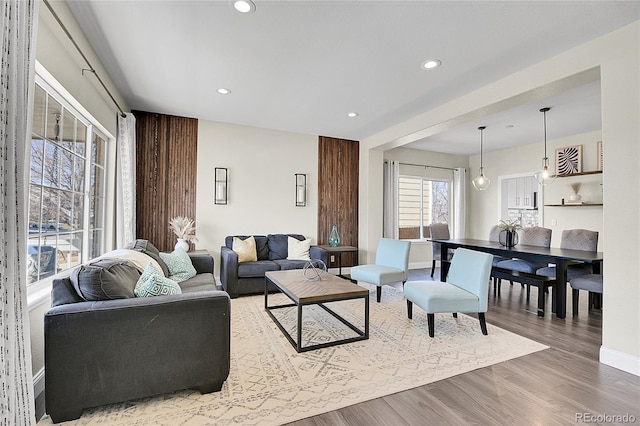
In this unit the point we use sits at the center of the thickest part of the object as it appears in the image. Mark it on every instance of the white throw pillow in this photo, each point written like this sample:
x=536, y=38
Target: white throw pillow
x=246, y=249
x=298, y=250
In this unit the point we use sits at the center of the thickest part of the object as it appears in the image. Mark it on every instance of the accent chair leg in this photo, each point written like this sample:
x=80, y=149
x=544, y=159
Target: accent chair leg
x=483, y=323
x=433, y=267
x=409, y=309
x=575, y=296
x=431, y=321
x=455, y=315
x=378, y=293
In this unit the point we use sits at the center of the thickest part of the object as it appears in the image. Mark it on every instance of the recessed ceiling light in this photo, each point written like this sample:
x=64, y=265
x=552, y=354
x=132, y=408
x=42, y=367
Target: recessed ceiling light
x=352, y=114
x=509, y=126
x=431, y=64
x=244, y=6
x=224, y=91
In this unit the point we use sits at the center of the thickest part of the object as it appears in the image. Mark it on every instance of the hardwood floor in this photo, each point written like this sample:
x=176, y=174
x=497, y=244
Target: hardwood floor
x=551, y=387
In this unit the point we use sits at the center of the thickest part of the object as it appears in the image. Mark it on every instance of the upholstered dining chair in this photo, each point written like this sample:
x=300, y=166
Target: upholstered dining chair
x=439, y=231
x=392, y=265
x=591, y=283
x=532, y=236
x=466, y=289
x=574, y=239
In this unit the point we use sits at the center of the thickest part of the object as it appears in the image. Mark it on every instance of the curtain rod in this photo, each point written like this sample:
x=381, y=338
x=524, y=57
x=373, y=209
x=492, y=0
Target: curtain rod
x=91, y=69
x=425, y=166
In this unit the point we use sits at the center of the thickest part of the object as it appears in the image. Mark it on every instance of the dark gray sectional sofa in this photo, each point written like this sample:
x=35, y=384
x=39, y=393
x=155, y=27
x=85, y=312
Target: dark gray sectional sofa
x=248, y=278
x=108, y=351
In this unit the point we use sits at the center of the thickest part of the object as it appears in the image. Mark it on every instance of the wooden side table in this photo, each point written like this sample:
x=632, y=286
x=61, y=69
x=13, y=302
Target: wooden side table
x=339, y=251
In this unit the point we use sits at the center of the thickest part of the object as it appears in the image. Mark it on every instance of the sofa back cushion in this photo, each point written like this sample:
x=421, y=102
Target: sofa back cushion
x=279, y=245
x=105, y=279
x=262, y=248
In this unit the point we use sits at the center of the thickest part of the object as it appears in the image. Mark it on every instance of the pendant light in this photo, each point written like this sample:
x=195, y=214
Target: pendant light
x=545, y=176
x=481, y=182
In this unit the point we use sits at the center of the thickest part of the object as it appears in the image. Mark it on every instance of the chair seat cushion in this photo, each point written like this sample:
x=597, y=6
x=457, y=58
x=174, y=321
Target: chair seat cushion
x=256, y=269
x=435, y=296
x=498, y=259
x=521, y=266
x=377, y=274
x=573, y=271
x=588, y=282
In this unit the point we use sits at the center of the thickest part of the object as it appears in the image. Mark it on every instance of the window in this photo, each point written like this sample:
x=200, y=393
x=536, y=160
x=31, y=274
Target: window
x=421, y=202
x=66, y=187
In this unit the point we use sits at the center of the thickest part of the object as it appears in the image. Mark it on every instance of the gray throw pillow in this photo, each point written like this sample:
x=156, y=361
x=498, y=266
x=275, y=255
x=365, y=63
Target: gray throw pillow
x=150, y=250
x=105, y=279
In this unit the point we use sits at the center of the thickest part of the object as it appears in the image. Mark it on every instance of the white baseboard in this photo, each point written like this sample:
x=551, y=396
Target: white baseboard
x=420, y=265
x=620, y=360
x=38, y=383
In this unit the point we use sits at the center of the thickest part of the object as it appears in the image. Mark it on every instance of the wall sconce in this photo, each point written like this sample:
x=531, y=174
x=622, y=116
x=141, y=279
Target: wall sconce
x=221, y=181
x=301, y=190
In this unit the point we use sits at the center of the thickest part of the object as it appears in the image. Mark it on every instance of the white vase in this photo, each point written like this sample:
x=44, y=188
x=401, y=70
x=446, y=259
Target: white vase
x=574, y=198
x=183, y=244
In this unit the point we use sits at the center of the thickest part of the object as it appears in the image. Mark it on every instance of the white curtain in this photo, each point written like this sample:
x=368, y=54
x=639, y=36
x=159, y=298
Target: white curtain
x=19, y=20
x=459, y=197
x=126, y=180
x=390, y=196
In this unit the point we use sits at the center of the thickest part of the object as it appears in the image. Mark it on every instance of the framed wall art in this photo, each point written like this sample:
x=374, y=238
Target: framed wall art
x=569, y=160
x=600, y=156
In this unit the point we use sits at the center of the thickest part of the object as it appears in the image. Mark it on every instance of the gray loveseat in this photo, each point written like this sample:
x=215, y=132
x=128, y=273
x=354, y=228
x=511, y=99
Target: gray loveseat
x=248, y=278
x=108, y=351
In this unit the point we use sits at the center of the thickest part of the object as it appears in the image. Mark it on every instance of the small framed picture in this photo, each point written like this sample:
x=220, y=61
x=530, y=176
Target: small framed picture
x=600, y=157
x=569, y=160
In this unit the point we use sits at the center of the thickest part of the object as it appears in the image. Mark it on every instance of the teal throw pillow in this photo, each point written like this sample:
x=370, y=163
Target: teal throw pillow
x=179, y=264
x=152, y=282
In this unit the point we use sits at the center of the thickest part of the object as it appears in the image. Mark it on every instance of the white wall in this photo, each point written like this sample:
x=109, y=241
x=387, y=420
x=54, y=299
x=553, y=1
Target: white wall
x=528, y=159
x=617, y=55
x=261, y=164
x=421, y=254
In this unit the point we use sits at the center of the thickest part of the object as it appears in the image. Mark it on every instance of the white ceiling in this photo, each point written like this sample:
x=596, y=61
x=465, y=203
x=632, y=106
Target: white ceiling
x=301, y=66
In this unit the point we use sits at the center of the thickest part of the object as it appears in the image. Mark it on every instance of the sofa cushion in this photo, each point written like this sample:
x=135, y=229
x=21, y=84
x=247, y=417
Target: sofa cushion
x=256, y=269
x=298, y=250
x=149, y=249
x=139, y=259
x=279, y=245
x=105, y=279
x=179, y=263
x=245, y=249
x=152, y=282
x=286, y=264
x=201, y=282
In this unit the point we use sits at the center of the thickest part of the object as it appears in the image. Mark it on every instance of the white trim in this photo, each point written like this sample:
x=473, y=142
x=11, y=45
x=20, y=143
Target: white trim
x=38, y=383
x=620, y=360
x=420, y=265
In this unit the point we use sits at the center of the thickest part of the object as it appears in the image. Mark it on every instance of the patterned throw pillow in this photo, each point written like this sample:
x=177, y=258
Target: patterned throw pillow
x=179, y=264
x=152, y=282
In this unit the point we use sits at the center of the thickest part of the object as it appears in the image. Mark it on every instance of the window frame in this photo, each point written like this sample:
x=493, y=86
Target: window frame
x=38, y=291
x=424, y=179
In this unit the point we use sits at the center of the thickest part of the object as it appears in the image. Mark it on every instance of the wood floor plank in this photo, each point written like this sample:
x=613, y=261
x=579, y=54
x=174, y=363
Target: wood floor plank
x=548, y=387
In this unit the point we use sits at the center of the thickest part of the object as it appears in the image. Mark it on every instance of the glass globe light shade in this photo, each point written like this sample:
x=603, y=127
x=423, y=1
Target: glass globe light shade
x=481, y=182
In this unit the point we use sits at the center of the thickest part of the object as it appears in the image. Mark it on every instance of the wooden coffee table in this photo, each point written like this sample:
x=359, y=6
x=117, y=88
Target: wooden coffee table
x=302, y=293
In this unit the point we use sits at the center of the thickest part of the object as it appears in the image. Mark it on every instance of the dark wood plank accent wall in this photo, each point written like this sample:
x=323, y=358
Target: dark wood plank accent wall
x=166, y=167
x=338, y=174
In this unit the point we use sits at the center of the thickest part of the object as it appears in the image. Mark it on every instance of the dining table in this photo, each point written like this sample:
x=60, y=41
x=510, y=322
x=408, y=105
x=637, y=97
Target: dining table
x=562, y=258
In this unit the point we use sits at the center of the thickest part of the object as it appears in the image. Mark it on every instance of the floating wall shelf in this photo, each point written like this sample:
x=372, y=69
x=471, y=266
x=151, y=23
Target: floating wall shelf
x=594, y=172
x=574, y=205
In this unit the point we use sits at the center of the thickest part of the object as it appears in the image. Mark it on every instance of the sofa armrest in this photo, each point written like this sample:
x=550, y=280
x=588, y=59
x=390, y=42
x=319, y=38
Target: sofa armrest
x=202, y=261
x=316, y=252
x=229, y=271
x=115, y=350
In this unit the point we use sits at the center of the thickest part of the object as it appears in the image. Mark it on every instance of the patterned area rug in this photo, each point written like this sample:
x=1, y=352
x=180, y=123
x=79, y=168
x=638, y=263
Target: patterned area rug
x=271, y=384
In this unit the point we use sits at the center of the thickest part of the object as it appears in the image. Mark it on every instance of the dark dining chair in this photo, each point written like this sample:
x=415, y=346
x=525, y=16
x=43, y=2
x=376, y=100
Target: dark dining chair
x=574, y=239
x=591, y=283
x=439, y=231
x=533, y=236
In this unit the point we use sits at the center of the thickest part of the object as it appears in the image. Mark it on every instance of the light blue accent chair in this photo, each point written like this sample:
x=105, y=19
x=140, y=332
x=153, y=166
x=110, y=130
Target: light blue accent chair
x=466, y=289
x=392, y=265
